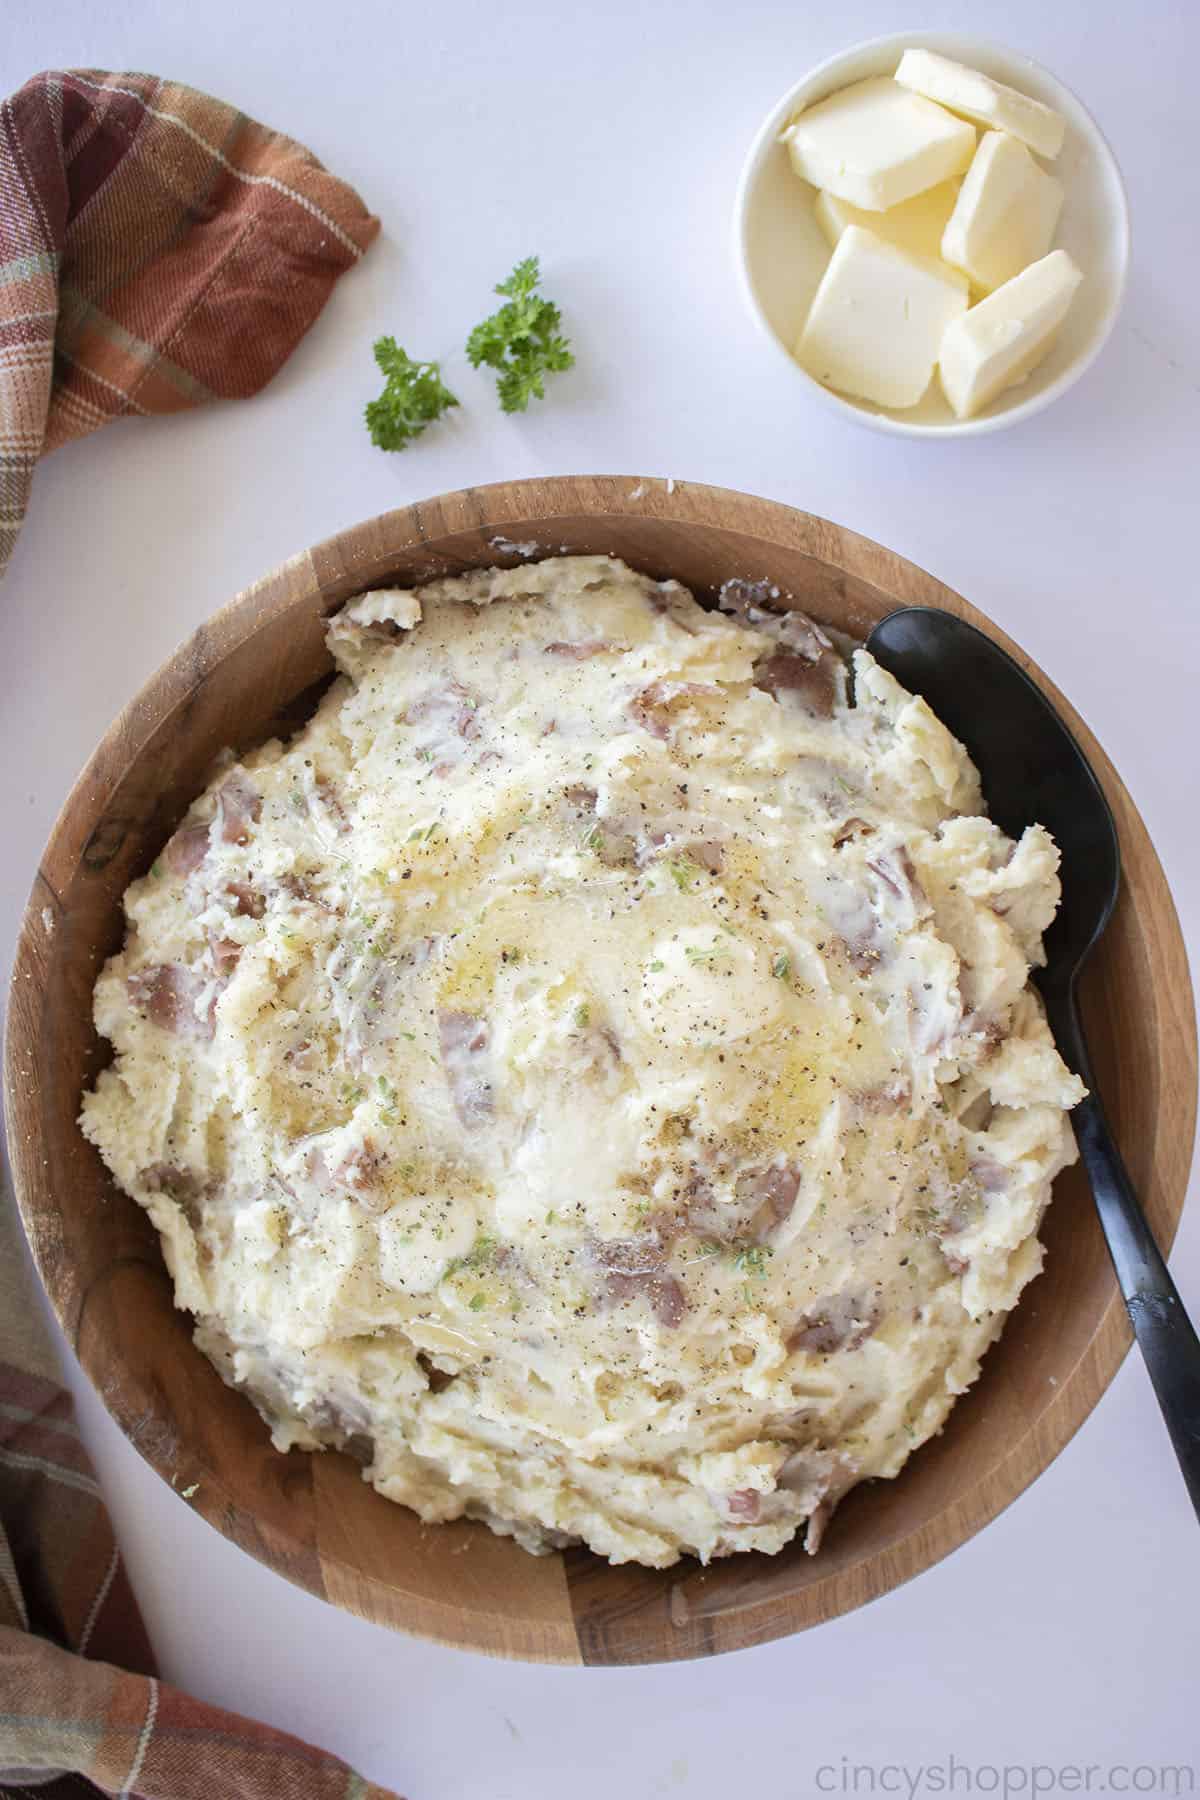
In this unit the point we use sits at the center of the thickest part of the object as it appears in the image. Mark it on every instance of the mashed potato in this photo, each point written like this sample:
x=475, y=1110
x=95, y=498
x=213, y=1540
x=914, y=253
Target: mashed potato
x=591, y=1073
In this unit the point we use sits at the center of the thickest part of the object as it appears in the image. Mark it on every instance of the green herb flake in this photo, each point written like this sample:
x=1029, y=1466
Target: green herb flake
x=475, y=1258
x=751, y=1259
x=414, y=395
x=521, y=341
x=478, y=1302
x=782, y=966
x=156, y=870
x=683, y=873
x=696, y=953
x=583, y=1014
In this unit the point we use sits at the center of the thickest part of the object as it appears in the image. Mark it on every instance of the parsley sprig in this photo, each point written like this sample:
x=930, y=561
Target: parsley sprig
x=521, y=340
x=414, y=395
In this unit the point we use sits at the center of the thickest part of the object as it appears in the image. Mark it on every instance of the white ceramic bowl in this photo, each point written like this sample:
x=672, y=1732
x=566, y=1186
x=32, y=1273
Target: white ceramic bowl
x=782, y=252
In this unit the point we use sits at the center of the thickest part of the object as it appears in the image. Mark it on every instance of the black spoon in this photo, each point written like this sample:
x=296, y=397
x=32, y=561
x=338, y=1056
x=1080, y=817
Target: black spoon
x=1033, y=771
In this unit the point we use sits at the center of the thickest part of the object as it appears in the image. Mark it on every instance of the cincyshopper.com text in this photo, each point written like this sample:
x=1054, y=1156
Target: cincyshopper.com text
x=952, y=1777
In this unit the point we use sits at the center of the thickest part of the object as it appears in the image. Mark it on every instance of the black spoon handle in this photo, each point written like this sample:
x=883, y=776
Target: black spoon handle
x=1166, y=1336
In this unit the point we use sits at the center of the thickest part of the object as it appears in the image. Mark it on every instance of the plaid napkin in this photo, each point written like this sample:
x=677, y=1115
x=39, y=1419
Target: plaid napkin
x=157, y=249
x=81, y=1710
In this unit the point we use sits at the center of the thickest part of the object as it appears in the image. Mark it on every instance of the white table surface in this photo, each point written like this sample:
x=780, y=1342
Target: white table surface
x=608, y=139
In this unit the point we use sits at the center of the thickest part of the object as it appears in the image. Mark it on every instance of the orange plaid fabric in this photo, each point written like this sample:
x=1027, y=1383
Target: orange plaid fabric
x=157, y=249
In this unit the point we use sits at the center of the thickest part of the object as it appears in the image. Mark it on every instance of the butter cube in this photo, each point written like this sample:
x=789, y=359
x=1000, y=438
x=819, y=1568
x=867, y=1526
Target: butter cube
x=915, y=225
x=878, y=320
x=875, y=144
x=999, y=342
x=1006, y=213
x=983, y=100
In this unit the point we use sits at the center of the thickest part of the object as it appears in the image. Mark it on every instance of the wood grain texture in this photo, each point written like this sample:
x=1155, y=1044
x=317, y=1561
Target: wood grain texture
x=253, y=670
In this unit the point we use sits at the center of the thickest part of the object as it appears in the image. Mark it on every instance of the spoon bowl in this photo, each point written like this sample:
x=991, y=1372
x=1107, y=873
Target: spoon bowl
x=1031, y=766
x=1033, y=770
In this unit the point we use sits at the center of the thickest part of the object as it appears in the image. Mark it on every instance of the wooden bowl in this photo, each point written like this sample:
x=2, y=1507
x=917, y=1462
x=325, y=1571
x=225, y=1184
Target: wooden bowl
x=251, y=672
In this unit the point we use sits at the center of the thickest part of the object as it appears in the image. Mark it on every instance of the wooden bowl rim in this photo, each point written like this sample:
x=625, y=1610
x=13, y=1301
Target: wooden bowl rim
x=523, y=508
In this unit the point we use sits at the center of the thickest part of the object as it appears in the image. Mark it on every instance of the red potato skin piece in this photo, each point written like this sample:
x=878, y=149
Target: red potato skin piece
x=239, y=805
x=166, y=993
x=844, y=1322
x=581, y=650
x=463, y=1041
x=635, y=1268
